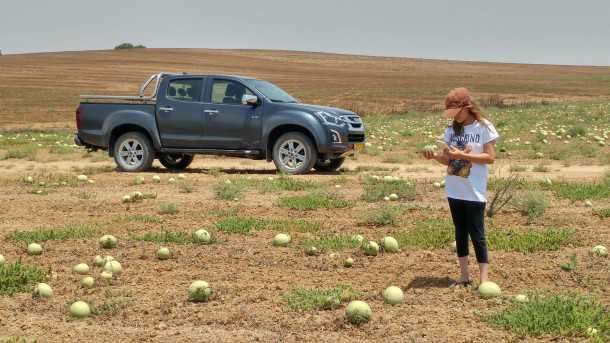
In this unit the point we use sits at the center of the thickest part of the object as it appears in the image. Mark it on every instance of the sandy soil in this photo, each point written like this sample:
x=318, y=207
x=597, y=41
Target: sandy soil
x=417, y=170
x=249, y=276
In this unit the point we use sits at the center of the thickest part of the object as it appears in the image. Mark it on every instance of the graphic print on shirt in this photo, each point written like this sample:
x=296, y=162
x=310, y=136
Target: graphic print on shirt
x=462, y=167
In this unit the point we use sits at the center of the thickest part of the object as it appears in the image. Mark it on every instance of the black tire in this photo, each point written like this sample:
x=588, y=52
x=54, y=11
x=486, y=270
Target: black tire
x=287, y=161
x=176, y=161
x=329, y=165
x=136, y=160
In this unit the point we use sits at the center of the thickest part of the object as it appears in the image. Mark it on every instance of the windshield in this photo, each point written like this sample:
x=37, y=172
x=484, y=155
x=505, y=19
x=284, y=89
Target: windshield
x=271, y=91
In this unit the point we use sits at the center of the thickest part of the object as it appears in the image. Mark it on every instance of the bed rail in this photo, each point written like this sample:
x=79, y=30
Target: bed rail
x=156, y=78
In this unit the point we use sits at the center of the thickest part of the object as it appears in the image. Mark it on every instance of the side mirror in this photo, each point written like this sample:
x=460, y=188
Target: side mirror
x=249, y=100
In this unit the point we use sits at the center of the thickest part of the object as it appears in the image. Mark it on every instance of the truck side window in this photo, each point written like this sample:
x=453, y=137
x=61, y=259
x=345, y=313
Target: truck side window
x=185, y=90
x=228, y=92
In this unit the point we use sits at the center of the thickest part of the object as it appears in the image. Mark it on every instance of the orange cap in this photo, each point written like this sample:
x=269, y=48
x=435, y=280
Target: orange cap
x=455, y=101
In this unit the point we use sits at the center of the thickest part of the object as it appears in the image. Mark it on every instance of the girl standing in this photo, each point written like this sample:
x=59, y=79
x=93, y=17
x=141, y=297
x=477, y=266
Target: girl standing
x=470, y=139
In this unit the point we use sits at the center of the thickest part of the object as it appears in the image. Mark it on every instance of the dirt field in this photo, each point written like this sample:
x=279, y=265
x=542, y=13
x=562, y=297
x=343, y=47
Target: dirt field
x=43, y=88
x=559, y=152
x=250, y=277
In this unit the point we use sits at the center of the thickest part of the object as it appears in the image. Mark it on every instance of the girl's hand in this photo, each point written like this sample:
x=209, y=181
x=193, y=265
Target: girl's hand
x=429, y=154
x=454, y=153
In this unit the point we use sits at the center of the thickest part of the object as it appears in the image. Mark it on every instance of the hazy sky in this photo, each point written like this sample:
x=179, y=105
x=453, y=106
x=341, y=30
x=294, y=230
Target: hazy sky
x=528, y=31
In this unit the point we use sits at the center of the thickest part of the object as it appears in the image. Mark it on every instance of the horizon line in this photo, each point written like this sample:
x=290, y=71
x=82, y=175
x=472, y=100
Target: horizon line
x=3, y=53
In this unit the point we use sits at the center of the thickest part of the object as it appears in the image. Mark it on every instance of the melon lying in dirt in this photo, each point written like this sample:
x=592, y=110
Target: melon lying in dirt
x=87, y=282
x=113, y=267
x=199, y=291
x=34, y=249
x=348, y=262
x=393, y=295
x=521, y=298
x=599, y=250
x=312, y=251
x=136, y=196
x=281, y=240
x=42, y=290
x=371, y=248
x=202, y=236
x=108, y=241
x=591, y=332
x=163, y=253
x=358, y=312
x=99, y=261
x=106, y=275
x=80, y=309
x=357, y=239
x=81, y=268
x=489, y=289
x=389, y=244
x=156, y=178
x=82, y=178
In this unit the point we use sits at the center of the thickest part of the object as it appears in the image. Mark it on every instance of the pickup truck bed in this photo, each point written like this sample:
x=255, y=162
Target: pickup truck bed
x=96, y=118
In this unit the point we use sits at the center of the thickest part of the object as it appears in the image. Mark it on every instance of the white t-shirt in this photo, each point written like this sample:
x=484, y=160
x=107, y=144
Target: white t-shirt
x=466, y=180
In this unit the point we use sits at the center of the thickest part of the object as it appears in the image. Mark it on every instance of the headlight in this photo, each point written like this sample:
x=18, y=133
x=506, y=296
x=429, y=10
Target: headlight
x=330, y=119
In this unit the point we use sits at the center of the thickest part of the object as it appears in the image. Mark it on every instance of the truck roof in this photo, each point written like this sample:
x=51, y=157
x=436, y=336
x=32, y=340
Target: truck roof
x=240, y=77
x=156, y=80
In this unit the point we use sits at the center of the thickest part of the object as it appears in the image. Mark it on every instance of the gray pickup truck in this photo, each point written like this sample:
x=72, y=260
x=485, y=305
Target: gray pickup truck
x=225, y=115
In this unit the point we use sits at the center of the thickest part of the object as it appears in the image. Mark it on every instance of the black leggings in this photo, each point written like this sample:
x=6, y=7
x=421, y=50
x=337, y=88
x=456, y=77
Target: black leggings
x=468, y=219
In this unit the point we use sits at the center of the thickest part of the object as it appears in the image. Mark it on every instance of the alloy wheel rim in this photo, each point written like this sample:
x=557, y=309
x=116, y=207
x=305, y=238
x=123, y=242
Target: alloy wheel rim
x=293, y=154
x=131, y=153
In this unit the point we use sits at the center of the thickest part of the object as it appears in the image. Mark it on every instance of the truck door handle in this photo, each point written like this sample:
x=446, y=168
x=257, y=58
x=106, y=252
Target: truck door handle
x=166, y=109
x=211, y=111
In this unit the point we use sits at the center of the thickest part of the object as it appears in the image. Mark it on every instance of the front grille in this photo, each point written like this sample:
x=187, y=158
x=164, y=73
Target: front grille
x=355, y=122
x=355, y=137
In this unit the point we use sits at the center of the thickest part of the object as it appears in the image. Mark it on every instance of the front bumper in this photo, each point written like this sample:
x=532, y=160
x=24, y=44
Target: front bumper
x=344, y=144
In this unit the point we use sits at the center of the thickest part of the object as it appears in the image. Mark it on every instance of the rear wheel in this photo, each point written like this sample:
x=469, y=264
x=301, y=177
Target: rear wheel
x=133, y=152
x=176, y=161
x=294, y=153
x=328, y=165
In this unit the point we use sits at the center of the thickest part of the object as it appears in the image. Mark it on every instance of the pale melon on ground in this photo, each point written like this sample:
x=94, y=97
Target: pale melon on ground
x=199, y=291
x=489, y=289
x=80, y=309
x=393, y=295
x=358, y=312
x=281, y=240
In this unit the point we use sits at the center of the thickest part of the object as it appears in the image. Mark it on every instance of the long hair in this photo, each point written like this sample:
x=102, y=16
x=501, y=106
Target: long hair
x=476, y=111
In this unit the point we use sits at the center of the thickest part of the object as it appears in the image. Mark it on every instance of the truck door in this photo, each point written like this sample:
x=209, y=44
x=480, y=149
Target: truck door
x=229, y=124
x=180, y=112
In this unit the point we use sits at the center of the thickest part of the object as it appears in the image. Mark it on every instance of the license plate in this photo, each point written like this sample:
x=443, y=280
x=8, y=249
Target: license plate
x=359, y=147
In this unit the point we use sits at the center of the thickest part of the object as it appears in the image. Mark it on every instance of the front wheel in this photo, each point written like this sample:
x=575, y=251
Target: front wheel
x=133, y=152
x=175, y=161
x=294, y=153
x=329, y=165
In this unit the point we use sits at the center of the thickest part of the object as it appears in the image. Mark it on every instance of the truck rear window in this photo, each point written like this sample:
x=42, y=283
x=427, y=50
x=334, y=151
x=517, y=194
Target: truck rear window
x=185, y=90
